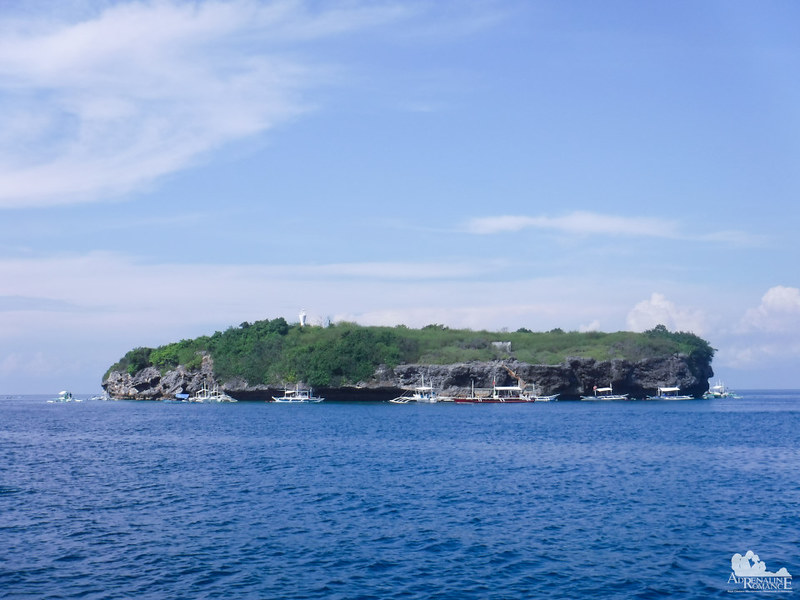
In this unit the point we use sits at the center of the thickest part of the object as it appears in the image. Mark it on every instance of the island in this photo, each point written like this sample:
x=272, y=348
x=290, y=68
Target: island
x=347, y=361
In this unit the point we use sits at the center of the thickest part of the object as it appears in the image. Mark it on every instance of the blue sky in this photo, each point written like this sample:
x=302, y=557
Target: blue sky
x=169, y=168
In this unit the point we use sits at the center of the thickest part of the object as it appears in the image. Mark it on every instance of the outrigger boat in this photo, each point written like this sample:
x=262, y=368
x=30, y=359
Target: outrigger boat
x=512, y=394
x=298, y=396
x=605, y=393
x=422, y=393
x=204, y=394
x=670, y=393
x=538, y=398
x=500, y=394
x=64, y=396
x=719, y=391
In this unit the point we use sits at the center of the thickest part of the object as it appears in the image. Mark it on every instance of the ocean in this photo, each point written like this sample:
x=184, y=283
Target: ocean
x=153, y=500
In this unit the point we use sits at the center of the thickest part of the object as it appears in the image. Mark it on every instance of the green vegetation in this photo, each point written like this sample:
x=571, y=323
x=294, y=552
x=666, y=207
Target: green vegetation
x=274, y=352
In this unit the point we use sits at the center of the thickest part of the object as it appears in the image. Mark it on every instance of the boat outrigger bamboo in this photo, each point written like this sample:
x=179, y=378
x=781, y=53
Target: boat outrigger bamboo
x=298, y=396
x=670, y=393
x=513, y=394
x=422, y=393
x=206, y=394
x=605, y=393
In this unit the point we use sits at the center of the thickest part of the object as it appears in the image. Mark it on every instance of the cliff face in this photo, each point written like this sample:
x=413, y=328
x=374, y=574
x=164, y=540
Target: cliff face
x=571, y=379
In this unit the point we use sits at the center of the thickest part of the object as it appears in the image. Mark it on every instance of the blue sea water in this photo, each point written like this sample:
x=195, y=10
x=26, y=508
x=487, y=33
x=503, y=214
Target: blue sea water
x=252, y=500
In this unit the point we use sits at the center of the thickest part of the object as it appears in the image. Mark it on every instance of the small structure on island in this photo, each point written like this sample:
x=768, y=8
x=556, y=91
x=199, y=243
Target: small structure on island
x=303, y=318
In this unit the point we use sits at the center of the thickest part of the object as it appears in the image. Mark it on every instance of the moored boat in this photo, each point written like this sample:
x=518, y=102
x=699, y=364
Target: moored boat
x=298, y=396
x=670, y=393
x=536, y=397
x=514, y=394
x=204, y=394
x=422, y=393
x=550, y=398
x=605, y=393
x=63, y=396
x=500, y=394
x=720, y=390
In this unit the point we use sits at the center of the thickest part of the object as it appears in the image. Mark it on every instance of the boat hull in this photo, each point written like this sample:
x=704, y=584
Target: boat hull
x=552, y=398
x=295, y=401
x=494, y=400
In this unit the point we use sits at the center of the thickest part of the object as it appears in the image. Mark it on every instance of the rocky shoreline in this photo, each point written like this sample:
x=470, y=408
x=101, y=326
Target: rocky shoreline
x=571, y=379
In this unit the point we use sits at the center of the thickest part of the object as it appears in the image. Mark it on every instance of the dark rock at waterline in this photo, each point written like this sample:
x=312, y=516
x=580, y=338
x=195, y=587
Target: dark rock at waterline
x=573, y=378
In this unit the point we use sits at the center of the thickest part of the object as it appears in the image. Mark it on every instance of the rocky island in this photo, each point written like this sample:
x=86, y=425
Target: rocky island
x=346, y=361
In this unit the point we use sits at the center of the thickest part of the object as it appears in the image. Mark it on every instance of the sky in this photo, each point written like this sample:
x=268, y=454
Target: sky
x=172, y=168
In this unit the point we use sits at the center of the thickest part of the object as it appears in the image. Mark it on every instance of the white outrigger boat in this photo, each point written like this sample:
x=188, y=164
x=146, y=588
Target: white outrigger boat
x=538, y=398
x=670, y=393
x=605, y=393
x=719, y=391
x=64, y=396
x=204, y=394
x=297, y=396
x=424, y=394
x=500, y=394
x=511, y=394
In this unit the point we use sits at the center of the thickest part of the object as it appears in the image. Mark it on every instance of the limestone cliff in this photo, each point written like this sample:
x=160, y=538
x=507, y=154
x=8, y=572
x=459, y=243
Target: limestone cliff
x=570, y=380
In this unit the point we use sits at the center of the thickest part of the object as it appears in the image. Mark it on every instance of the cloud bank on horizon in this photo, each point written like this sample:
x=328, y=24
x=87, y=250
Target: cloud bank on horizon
x=168, y=168
x=59, y=295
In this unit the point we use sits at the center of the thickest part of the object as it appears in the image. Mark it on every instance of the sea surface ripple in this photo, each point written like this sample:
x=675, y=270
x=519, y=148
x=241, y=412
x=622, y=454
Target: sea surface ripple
x=147, y=500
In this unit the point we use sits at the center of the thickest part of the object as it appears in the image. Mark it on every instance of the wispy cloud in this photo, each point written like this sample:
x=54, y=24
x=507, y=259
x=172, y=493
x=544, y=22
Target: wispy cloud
x=584, y=223
x=107, y=104
x=26, y=303
x=579, y=223
x=398, y=271
x=70, y=282
x=61, y=291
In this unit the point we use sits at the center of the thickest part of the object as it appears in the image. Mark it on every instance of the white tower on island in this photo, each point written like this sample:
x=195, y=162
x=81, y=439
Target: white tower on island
x=302, y=318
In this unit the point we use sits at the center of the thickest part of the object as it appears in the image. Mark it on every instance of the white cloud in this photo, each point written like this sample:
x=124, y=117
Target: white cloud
x=579, y=222
x=583, y=223
x=767, y=336
x=779, y=311
x=593, y=326
x=410, y=271
x=427, y=307
x=658, y=310
x=754, y=352
x=110, y=103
